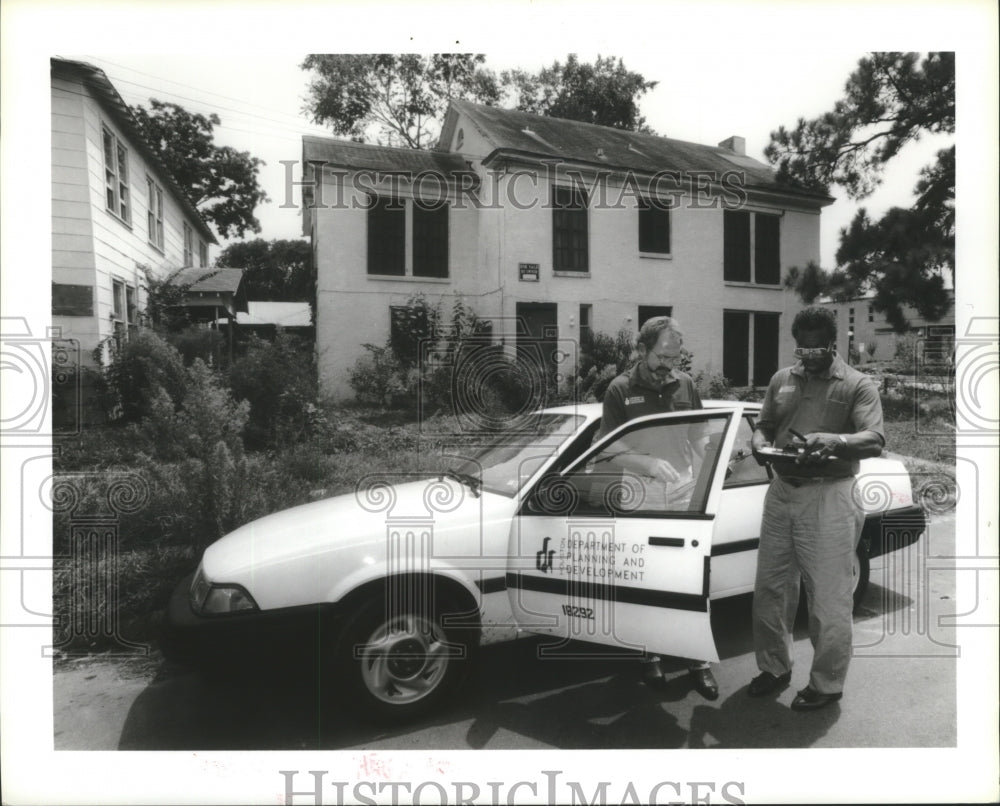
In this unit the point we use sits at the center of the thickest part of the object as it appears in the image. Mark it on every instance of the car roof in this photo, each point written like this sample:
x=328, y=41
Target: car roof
x=593, y=410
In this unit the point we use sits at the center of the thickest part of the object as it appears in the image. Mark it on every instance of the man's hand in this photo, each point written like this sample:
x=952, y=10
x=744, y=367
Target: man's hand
x=758, y=441
x=819, y=447
x=662, y=470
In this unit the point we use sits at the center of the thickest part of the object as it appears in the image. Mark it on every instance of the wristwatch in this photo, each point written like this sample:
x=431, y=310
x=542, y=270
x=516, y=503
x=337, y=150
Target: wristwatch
x=843, y=440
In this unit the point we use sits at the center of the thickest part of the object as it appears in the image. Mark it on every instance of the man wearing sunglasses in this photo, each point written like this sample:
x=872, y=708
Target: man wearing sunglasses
x=812, y=521
x=652, y=386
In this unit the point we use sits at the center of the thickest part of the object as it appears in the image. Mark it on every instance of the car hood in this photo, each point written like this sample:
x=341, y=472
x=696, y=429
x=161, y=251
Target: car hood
x=357, y=523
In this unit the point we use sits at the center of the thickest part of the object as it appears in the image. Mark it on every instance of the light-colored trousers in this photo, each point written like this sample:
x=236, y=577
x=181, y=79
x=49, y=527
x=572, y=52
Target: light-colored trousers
x=812, y=531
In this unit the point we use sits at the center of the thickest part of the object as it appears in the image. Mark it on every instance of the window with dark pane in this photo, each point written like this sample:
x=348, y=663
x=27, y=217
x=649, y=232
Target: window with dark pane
x=586, y=333
x=386, y=236
x=569, y=229
x=736, y=246
x=430, y=240
x=654, y=228
x=767, y=252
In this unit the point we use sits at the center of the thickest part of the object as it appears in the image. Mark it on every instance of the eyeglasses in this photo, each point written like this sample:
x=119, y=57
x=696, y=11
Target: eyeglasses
x=812, y=352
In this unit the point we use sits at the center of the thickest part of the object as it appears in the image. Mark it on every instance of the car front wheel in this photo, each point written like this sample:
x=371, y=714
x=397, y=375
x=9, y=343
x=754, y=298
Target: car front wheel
x=399, y=665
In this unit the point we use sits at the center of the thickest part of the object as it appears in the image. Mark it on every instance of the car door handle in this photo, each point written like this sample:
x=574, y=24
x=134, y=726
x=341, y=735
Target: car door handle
x=677, y=542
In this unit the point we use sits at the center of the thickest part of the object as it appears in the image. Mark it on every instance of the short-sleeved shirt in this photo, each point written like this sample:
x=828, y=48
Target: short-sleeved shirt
x=840, y=400
x=628, y=396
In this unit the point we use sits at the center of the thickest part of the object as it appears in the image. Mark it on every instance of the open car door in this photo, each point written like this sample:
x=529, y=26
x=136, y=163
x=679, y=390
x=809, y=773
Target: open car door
x=616, y=547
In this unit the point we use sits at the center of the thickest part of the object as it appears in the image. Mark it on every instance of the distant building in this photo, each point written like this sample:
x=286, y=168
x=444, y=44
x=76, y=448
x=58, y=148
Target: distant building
x=553, y=229
x=865, y=334
x=116, y=212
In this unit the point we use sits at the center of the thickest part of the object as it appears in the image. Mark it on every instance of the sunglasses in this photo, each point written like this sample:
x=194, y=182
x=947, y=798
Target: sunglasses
x=812, y=352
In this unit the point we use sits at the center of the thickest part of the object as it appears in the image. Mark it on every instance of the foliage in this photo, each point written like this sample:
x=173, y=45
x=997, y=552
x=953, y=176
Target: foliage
x=906, y=351
x=604, y=93
x=602, y=359
x=891, y=99
x=144, y=366
x=399, y=96
x=713, y=385
x=279, y=270
x=219, y=180
x=164, y=296
x=278, y=381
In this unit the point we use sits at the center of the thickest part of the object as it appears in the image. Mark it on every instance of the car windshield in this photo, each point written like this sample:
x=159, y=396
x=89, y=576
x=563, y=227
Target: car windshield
x=507, y=463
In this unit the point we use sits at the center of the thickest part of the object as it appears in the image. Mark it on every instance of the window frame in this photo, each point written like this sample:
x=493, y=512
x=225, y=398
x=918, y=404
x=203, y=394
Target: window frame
x=570, y=222
x=430, y=242
x=154, y=214
x=743, y=251
x=117, y=197
x=386, y=236
x=767, y=253
x=188, y=244
x=646, y=210
x=202, y=254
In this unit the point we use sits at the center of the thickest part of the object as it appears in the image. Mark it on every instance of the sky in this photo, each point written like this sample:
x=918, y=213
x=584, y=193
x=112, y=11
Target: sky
x=260, y=97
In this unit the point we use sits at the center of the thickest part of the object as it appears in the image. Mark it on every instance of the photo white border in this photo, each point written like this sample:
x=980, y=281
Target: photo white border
x=719, y=35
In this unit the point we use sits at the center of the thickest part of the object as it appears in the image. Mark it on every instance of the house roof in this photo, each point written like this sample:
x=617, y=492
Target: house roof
x=361, y=156
x=105, y=91
x=514, y=133
x=282, y=314
x=215, y=281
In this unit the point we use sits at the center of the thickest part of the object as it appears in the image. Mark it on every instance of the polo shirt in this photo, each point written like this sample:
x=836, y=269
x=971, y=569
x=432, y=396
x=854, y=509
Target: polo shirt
x=629, y=396
x=840, y=400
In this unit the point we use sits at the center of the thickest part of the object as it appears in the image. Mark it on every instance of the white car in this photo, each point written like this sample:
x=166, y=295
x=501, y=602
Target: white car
x=545, y=530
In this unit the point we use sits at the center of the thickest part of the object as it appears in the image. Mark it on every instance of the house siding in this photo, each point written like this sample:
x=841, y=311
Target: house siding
x=90, y=245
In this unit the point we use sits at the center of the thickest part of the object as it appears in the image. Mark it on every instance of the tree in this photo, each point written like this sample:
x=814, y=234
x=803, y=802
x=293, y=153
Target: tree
x=891, y=99
x=278, y=270
x=605, y=92
x=402, y=97
x=220, y=181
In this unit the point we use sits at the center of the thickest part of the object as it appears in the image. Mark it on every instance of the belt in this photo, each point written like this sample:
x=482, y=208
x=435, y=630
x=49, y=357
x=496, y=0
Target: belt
x=799, y=481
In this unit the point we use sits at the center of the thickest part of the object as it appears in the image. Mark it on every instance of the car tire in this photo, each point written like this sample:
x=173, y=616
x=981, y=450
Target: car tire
x=861, y=570
x=400, y=666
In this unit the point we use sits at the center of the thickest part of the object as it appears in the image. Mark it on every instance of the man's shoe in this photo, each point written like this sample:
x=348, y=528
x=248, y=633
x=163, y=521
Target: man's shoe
x=811, y=700
x=704, y=683
x=652, y=674
x=765, y=683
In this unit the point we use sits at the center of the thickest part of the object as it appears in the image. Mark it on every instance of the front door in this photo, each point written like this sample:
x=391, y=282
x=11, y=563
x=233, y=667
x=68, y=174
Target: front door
x=615, y=549
x=537, y=341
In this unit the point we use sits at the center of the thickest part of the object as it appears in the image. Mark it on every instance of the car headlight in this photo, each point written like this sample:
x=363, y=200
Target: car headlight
x=213, y=599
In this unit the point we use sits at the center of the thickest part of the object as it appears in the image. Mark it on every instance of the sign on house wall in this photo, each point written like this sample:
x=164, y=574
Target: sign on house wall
x=528, y=272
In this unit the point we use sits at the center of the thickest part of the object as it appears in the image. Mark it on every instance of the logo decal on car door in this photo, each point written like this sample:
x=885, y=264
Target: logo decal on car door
x=543, y=558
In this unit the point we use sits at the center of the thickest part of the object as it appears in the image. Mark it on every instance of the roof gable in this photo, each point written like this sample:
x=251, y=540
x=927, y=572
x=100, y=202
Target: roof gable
x=514, y=133
x=105, y=92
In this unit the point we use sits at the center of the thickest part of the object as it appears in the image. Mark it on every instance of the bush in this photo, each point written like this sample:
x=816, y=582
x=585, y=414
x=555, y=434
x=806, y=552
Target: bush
x=199, y=342
x=278, y=381
x=713, y=386
x=144, y=363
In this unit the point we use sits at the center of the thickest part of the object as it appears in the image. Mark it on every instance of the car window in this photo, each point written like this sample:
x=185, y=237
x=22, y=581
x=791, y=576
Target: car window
x=506, y=463
x=743, y=468
x=652, y=469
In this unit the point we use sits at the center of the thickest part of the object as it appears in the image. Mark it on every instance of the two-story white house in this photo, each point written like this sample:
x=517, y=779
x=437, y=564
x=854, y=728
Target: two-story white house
x=116, y=212
x=552, y=228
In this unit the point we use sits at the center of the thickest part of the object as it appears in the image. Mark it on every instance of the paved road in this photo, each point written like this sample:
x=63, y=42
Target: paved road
x=901, y=691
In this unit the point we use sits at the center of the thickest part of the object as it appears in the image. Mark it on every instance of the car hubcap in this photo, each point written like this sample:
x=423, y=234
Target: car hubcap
x=404, y=660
